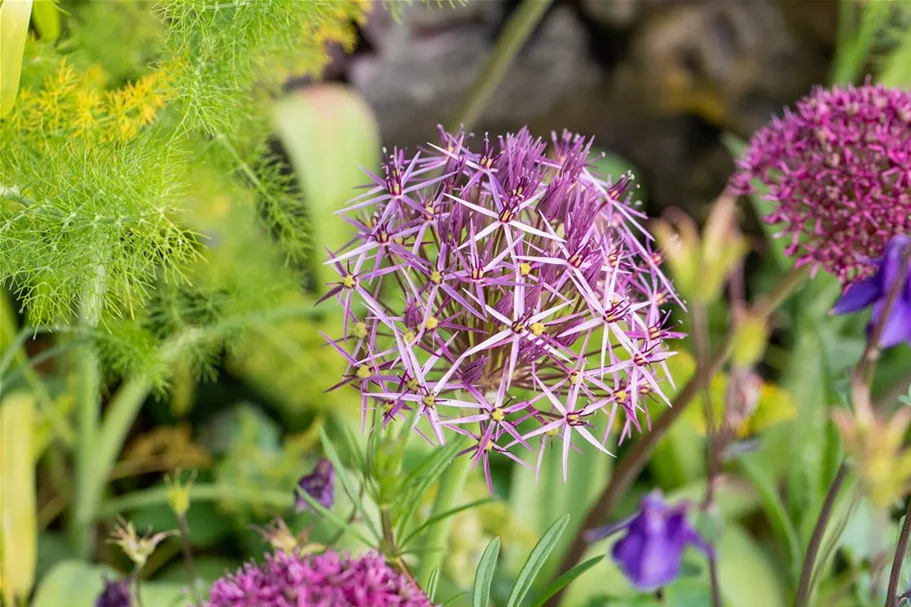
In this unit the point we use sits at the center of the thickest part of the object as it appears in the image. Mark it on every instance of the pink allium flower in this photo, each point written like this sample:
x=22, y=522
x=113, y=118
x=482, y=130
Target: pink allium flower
x=503, y=295
x=839, y=171
x=317, y=580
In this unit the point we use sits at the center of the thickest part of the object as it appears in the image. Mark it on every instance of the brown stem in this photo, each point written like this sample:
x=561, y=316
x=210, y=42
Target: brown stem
x=703, y=347
x=806, y=574
x=900, y=550
x=184, y=528
x=634, y=461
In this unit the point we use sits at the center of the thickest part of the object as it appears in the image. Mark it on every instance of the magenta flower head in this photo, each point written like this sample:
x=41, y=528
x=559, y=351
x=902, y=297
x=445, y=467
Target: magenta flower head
x=839, y=172
x=874, y=291
x=504, y=294
x=115, y=594
x=316, y=580
x=651, y=551
x=319, y=484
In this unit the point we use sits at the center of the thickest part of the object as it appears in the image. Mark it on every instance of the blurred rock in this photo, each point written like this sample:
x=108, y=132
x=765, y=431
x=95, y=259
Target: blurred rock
x=656, y=81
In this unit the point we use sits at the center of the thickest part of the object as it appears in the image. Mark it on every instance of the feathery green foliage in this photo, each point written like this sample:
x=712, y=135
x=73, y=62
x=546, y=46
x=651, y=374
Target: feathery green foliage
x=121, y=145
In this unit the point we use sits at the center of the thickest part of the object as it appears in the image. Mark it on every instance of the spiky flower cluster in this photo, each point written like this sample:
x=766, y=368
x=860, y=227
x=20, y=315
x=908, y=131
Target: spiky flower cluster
x=503, y=295
x=323, y=580
x=839, y=171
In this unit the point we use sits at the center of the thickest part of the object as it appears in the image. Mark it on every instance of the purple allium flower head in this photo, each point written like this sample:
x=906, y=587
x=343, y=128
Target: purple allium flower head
x=115, y=594
x=319, y=484
x=839, y=171
x=316, y=580
x=875, y=291
x=651, y=551
x=505, y=294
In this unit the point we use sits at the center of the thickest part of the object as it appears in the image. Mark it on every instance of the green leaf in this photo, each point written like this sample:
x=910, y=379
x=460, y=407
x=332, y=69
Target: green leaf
x=561, y=582
x=536, y=559
x=775, y=511
x=419, y=481
x=332, y=516
x=745, y=573
x=431, y=588
x=442, y=516
x=342, y=473
x=46, y=17
x=329, y=132
x=483, y=578
x=78, y=584
x=14, y=18
x=453, y=599
x=688, y=593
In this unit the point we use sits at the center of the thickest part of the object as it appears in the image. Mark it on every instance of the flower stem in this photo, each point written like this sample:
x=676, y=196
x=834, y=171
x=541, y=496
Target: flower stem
x=88, y=399
x=703, y=347
x=184, y=529
x=282, y=500
x=901, y=550
x=635, y=460
x=451, y=487
x=517, y=31
x=806, y=574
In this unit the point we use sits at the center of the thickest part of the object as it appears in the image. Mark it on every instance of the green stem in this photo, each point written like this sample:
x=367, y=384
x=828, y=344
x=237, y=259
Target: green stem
x=451, y=489
x=280, y=500
x=515, y=34
x=88, y=403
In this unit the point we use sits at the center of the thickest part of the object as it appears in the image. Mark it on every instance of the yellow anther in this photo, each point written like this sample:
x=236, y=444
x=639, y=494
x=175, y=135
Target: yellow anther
x=524, y=268
x=409, y=336
x=621, y=395
x=412, y=385
x=537, y=328
x=435, y=277
x=363, y=372
x=431, y=324
x=654, y=333
x=360, y=330
x=575, y=377
x=349, y=281
x=497, y=415
x=429, y=401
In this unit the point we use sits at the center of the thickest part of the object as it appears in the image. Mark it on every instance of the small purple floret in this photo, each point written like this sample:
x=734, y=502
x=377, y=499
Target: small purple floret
x=321, y=580
x=839, y=172
x=874, y=291
x=319, y=484
x=115, y=594
x=651, y=552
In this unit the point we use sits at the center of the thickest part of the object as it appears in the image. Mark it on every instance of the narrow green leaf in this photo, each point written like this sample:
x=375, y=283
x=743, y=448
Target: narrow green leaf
x=775, y=509
x=342, y=474
x=421, y=479
x=536, y=559
x=453, y=599
x=564, y=580
x=431, y=588
x=442, y=516
x=483, y=577
x=332, y=516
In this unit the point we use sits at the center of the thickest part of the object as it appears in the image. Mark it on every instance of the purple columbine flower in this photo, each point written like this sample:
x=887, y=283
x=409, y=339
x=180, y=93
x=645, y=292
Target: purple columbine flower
x=839, y=172
x=321, y=580
x=506, y=294
x=115, y=594
x=319, y=484
x=874, y=291
x=651, y=552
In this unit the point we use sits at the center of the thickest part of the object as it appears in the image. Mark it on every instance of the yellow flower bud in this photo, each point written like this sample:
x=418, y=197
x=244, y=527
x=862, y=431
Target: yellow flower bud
x=179, y=495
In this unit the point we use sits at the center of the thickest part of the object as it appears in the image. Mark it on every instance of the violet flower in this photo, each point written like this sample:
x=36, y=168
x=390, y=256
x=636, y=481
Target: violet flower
x=651, y=552
x=319, y=484
x=115, y=594
x=322, y=580
x=502, y=294
x=874, y=291
x=839, y=172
